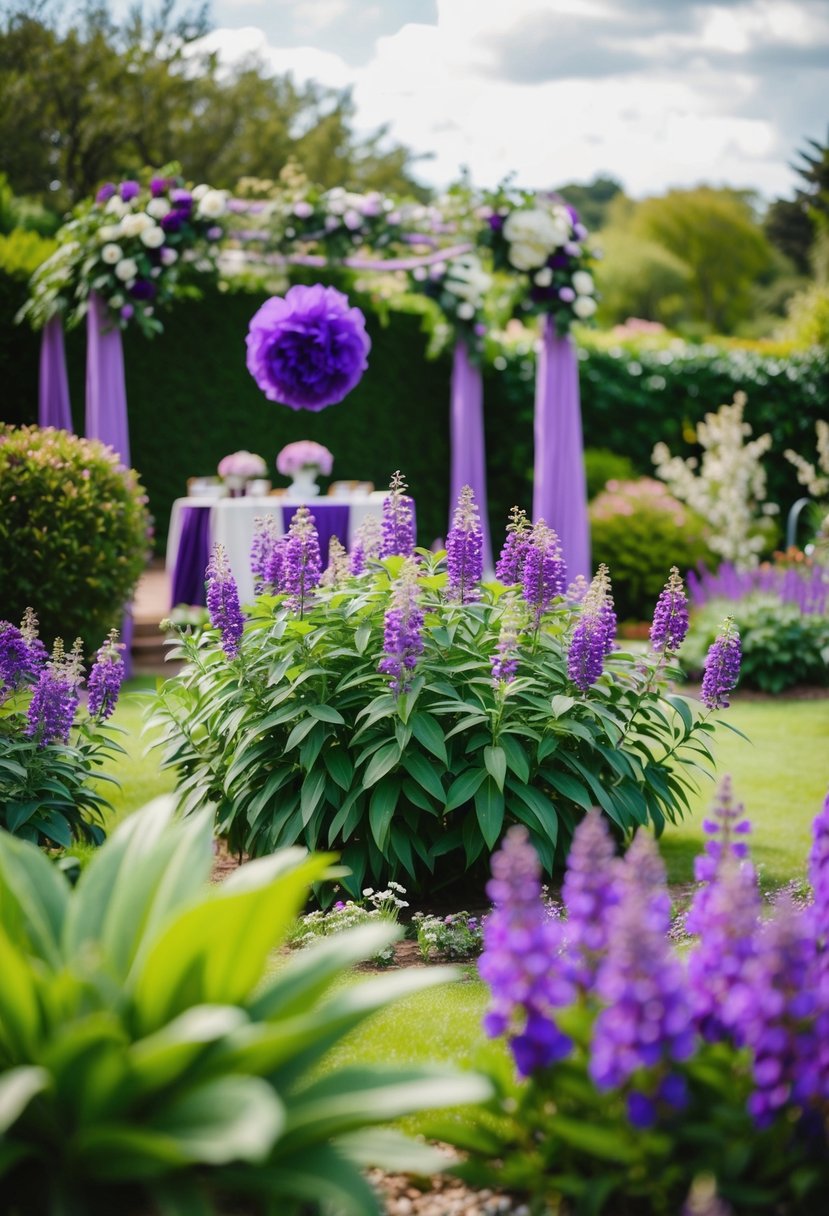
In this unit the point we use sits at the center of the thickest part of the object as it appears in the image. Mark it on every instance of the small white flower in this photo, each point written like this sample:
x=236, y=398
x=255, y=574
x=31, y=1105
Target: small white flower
x=465, y=310
x=111, y=254
x=158, y=208
x=212, y=204
x=126, y=269
x=117, y=206
x=153, y=237
x=134, y=225
x=544, y=277
x=200, y=191
x=368, y=891
x=583, y=283
x=109, y=232
x=524, y=256
x=584, y=306
x=168, y=256
x=117, y=300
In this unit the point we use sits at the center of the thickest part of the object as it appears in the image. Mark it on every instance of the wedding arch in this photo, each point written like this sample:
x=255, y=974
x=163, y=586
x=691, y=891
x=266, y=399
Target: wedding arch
x=134, y=248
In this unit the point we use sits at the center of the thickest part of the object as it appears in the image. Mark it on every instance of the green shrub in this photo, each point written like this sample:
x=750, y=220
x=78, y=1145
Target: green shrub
x=639, y=530
x=151, y=1061
x=73, y=532
x=602, y=466
x=300, y=737
x=782, y=646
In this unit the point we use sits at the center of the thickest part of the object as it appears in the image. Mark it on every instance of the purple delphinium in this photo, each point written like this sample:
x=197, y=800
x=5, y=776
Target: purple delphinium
x=54, y=701
x=722, y=667
x=545, y=574
x=302, y=565
x=465, y=550
x=510, y=565
x=337, y=570
x=594, y=634
x=724, y=917
x=590, y=891
x=223, y=605
x=38, y=654
x=129, y=190
x=819, y=917
x=266, y=538
x=308, y=350
x=520, y=960
x=670, y=616
x=397, y=527
x=505, y=660
x=366, y=545
x=14, y=658
x=402, y=630
x=646, y=1020
x=105, y=679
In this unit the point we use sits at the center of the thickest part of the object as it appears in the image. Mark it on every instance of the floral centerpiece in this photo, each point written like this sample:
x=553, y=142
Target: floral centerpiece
x=542, y=237
x=134, y=245
x=304, y=461
x=460, y=288
x=241, y=467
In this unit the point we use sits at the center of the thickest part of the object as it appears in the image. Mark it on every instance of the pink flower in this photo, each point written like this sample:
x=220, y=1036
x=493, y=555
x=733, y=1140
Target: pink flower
x=302, y=454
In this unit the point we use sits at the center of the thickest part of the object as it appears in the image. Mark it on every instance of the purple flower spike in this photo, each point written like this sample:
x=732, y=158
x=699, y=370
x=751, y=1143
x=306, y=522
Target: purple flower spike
x=402, y=630
x=722, y=668
x=54, y=701
x=545, y=574
x=106, y=678
x=397, y=528
x=670, y=616
x=594, y=635
x=265, y=540
x=510, y=565
x=366, y=546
x=223, y=604
x=505, y=660
x=819, y=917
x=521, y=962
x=590, y=891
x=14, y=658
x=129, y=190
x=302, y=561
x=308, y=350
x=465, y=550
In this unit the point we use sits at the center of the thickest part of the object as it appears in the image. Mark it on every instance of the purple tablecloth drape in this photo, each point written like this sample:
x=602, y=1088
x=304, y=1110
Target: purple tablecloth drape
x=106, y=389
x=192, y=558
x=560, y=488
x=466, y=429
x=330, y=519
x=53, y=385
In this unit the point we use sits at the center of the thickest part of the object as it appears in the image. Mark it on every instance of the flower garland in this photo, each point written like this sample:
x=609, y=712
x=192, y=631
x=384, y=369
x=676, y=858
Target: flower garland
x=460, y=289
x=137, y=246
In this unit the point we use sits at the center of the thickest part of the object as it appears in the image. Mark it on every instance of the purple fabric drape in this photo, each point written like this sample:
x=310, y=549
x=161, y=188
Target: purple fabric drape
x=53, y=386
x=330, y=519
x=106, y=389
x=560, y=488
x=192, y=557
x=466, y=429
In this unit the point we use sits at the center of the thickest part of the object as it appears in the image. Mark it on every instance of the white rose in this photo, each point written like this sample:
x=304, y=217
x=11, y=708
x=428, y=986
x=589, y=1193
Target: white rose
x=544, y=277
x=200, y=191
x=583, y=283
x=157, y=208
x=524, y=256
x=126, y=269
x=134, y=225
x=152, y=237
x=584, y=306
x=212, y=204
x=168, y=256
x=533, y=227
x=466, y=311
x=116, y=206
x=109, y=232
x=111, y=254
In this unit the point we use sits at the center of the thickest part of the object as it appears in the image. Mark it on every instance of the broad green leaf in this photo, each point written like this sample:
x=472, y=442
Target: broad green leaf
x=424, y=773
x=428, y=732
x=34, y=897
x=229, y=1119
x=338, y=763
x=606, y=1143
x=20, y=1009
x=489, y=808
x=495, y=761
x=463, y=787
x=325, y=713
x=163, y=1058
x=381, y=810
x=313, y=788
x=17, y=1088
x=560, y=705
x=383, y=761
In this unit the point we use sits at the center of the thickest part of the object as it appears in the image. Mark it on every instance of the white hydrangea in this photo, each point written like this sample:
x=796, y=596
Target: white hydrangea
x=117, y=206
x=212, y=204
x=111, y=254
x=134, y=225
x=153, y=237
x=157, y=208
x=584, y=307
x=126, y=270
x=536, y=227
x=583, y=283
x=544, y=277
x=109, y=232
x=524, y=256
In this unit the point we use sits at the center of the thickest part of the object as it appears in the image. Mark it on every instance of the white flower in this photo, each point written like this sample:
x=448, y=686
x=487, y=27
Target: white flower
x=584, y=306
x=109, y=232
x=168, y=256
x=126, y=269
x=117, y=206
x=200, y=191
x=111, y=254
x=466, y=311
x=212, y=204
x=544, y=277
x=524, y=256
x=158, y=208
x=134, y=225
x=583, y=283
x=537, y=227
x=368, y=891
x=153, y=237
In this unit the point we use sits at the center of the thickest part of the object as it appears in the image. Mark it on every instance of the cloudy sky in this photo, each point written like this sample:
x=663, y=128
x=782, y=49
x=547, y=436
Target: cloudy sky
x=657, y=93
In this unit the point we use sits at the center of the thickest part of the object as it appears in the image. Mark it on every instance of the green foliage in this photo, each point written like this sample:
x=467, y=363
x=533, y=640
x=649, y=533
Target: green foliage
x=601, y=466
x=301, y=739
x=638, y=277
x=22, y=252
x=781, y=645
x=808, y=317
x=457, y=936
x=149, y=1062
x=639, y=530
x=73, y=532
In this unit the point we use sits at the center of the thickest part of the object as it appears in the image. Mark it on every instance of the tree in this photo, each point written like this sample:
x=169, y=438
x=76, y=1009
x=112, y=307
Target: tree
x=592, y=200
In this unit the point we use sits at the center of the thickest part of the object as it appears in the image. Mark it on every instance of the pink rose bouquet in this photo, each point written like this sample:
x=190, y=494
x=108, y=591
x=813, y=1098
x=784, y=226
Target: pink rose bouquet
x=242, y=464
x=304, y=454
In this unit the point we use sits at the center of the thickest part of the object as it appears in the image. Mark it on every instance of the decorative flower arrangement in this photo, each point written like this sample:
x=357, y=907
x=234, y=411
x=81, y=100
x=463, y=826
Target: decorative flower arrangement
x=242, y=464
x=135, y=246
x=304, y=454
x=460, y=288
x=541, y=236
x=308, y=349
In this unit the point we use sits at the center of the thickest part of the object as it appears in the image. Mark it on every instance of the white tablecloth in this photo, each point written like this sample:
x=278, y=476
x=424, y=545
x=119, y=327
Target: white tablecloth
x=232, y=525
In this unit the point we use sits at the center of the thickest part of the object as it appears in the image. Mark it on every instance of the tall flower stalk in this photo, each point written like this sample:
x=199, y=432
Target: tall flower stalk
x=302, y=565
x=402, y=630
x=545, y=574
x=594, y=635
x=365, y=546
x=223, y=605
x=397, y=528
x=465, y=550
x=106, y=678
x=722, y=667
x=510, y=565
x=55, y=698
x=670, y=616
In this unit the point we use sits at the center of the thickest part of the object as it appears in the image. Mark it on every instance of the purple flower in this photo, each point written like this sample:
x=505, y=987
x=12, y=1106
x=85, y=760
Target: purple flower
x=402, y=630
x=545, y=574
x=15, y=659
x=223, y=605
x=819, y=918
x=158, y=185
x=129, y=190
x=182, y=200
x=397, y=528
x=126, y=312
x=521, y=959
x=670, y=616
x=594, y=635
x=106, y=192
x=106, y=678
x=52, y=708
x=505, y=660
x=172, y=222
x=143, y=289
x=510, y=565
x=302, y=561
x=496, y=221
x=722, y=667
x=465, y=550
x=308, y=350
x=265, y=538
x=366, y=545
x=590, y=891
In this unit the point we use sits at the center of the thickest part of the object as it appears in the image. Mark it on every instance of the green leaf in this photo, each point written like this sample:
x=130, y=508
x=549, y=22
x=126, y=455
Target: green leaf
x=17, y=1088
x=463, y=787
x=313, y=788
x=517, y=760
x=326, y=713
x=567, y=785
x=34, y=897
x=381, y=810
x=489, y=807
x=606, y=1143
x=560, y=705
x=495, y=760
x=383, y=761
x=229, y=1119
x=424, y=773
x=429, y=733
x=340, y=768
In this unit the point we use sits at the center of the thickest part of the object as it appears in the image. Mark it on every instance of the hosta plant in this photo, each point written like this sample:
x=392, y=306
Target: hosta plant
x=156, y=1058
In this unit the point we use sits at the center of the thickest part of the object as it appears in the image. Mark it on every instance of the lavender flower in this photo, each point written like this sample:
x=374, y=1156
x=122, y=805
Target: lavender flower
x=398, y=533
x=15, y=658
x=646, y=1022
x=510, y=566
x=402, y=630
x=594, y=635
x=521, y=947
x=670, y=616
x=54, y=701
x=545, y=574
x=577, y=590
x=223, y=604
x=505, y=660
x=366, y=545
x=590, y=891
x=302, y=560
x=465, y=550
x=38, y=654
x=819, y=918
x=266, y=537
x=106, y=678
x=337, y=571
x=722, y=667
